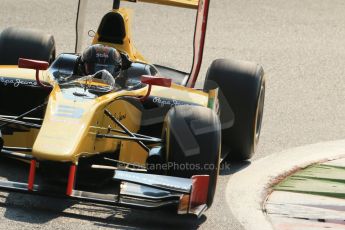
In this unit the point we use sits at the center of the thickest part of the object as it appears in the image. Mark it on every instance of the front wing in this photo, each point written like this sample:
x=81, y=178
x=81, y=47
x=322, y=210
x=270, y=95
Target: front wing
x=136, y=190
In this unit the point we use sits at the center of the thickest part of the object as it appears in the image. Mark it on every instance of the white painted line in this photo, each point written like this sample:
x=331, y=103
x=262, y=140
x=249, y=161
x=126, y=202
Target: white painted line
x=247, y=190
x=337, y=163
x=305, y=206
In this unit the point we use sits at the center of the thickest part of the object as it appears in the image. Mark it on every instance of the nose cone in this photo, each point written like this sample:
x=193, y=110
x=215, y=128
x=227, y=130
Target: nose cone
x=59, y=140
x=64, y=134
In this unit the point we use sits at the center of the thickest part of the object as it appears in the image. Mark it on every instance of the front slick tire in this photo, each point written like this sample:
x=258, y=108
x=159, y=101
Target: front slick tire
x=193, y=140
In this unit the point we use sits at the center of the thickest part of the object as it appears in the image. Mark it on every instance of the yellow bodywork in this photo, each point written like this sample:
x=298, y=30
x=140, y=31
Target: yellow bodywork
x=127, y=46
x=70, y=125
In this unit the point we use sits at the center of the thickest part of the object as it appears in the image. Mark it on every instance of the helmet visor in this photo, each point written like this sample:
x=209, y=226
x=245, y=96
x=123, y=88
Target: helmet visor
x=110, y=68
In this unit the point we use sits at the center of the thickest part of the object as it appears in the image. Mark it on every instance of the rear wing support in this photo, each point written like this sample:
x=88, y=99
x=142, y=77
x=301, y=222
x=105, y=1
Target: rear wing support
x=199, y=41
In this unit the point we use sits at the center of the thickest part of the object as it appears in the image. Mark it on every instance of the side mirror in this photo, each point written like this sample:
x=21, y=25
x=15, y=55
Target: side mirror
x=32, y=64
x=159, y=81
x=36, y=65
x=154, y=80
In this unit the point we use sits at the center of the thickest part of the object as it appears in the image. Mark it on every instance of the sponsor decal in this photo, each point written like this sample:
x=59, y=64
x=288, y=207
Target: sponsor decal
x=102, y=55
x=102, y=52
x=154, y=180
x=15, y=82
x=163, y=102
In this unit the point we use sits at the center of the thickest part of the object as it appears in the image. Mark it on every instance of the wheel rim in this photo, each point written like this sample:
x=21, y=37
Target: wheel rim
x=259, y=112
x=52, y=57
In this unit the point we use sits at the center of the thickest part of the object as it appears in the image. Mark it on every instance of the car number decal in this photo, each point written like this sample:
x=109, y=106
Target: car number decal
x=68, y=111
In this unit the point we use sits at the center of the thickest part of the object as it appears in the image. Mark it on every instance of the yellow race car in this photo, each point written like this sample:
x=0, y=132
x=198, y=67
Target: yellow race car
x=82, y=122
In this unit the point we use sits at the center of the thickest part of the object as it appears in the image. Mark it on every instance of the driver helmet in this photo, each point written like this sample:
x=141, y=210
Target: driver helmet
x=99, y=57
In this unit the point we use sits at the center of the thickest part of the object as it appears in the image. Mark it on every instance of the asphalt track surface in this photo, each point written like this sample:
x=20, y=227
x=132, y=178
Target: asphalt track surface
x=300, y=44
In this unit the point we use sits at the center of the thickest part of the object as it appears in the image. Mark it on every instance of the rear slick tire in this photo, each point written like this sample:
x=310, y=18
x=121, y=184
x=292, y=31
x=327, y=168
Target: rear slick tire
x=241, y=94
x=18, y=43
